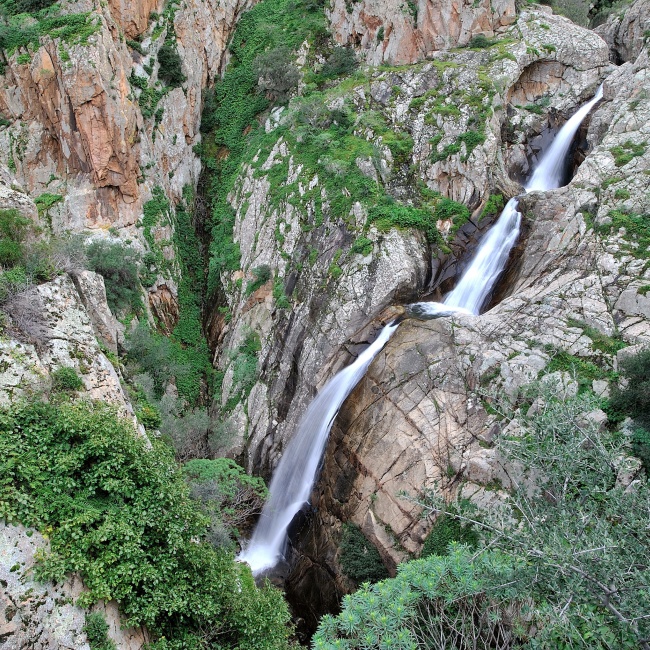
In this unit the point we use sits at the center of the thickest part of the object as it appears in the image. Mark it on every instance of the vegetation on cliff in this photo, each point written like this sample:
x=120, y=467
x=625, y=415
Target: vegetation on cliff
x=118, y=512
x=563, y=560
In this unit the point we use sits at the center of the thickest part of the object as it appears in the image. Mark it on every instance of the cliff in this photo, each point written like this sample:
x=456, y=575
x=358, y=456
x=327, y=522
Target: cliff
x=326, y=215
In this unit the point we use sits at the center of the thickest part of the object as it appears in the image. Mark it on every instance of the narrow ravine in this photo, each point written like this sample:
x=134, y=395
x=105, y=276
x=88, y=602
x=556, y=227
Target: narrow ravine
x=296, y=472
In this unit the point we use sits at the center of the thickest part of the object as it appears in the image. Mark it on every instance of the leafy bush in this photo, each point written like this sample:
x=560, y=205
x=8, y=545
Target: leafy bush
x=446, y=530
x=261, y=275
x=575, y=10
x=568, y=528
x=13, y=226
x=479, y=41
x=12, y=282
x=119, y=265
x=96, y=630
x=459, y=601
x=230, y=497
x=170, y=70
x=11, y=252
x=275, y=74
x=23, y=30
x=66, y=379
x=118, y=513
x=359, y=558
x=13, y=7
x=340, y=62
x=633, y=401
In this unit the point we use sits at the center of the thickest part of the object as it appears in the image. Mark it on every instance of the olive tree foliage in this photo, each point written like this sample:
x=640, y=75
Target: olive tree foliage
x=563, y=562
x=276, y=73
x=583, y=533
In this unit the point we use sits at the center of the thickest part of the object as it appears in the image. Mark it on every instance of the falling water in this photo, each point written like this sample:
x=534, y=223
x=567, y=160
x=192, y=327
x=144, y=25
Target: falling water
x=492, y=254
x=295, y=474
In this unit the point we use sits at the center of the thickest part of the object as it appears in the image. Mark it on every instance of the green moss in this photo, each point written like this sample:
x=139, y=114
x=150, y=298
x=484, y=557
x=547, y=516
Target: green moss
x=634, y=228
x=626, y=152
x=608, y=344
x=359, y=559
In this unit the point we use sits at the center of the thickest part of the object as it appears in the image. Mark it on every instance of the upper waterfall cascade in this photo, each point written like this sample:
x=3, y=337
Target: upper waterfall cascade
x=296, y=472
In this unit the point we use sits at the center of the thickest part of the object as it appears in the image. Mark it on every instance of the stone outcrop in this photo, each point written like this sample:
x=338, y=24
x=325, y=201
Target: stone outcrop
x=52, y=329
x=41, y=615
x=78, y=127
x=386, y=31
x=627, y=32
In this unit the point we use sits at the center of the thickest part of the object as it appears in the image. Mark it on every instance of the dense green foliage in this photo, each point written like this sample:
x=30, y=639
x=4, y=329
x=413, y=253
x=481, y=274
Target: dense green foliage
x=24, y=29
x=359, y=558
x=445, y=530
x=96, y=630
x=66, y=379
x=633, y=400
x=117, y=512
x=235, y=103
x=13, y=228
x=275, y=73
x=119, y=265
x=184, y=355
x=230, y=497
x=170, y=70
x=459, y=601
x=565, y=559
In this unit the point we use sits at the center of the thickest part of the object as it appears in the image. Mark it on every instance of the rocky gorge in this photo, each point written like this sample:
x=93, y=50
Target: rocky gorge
x=292, y=228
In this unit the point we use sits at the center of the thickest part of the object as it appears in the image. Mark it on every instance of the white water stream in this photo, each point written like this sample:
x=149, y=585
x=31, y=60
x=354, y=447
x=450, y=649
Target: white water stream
x=296, y=472
x=492, y=254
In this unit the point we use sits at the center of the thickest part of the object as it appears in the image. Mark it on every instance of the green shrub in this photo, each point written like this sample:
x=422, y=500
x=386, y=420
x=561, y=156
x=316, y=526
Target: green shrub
x=634, y=401
x=229, y=495
x=96, y=630
x=275, y=73
x=149, y=417
x=341, y=61
x=13, y=226
x=446, y=530
x=170, y=70
x=261, y=274
x=66, y=379
x=360, y=560
x=480, y=41
x=12, y=282
x=119, y=265
x=13, y=7
x=459, y=601
x=362, y=246
x=575, y=10
x=11, y=252
x=118, y=513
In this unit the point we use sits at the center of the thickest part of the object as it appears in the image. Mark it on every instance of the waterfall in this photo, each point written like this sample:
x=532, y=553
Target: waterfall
x=480, y=276
x=296, y=472
x=294, y=476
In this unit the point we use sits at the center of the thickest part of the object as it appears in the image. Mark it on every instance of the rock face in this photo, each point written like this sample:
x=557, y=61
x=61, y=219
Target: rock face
x=41, y=615
x=421, y=417
x=627, y=32
x=385, y=31
x=437, y=104
x=80, y=127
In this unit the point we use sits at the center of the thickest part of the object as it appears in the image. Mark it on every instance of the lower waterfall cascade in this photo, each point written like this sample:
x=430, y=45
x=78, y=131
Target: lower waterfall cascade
x=297, y=470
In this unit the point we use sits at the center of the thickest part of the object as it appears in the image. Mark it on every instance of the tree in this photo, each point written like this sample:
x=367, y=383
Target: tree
x=276, y=75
